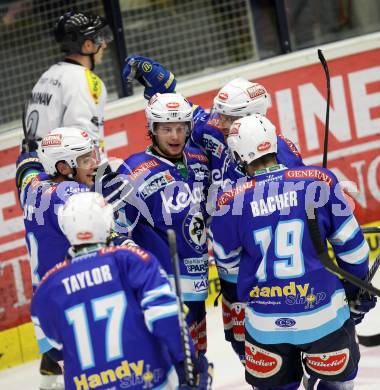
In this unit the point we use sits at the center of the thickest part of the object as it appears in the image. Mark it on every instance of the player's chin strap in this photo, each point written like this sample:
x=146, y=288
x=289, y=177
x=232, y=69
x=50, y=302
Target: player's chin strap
x=92, y=56
x=324, y=258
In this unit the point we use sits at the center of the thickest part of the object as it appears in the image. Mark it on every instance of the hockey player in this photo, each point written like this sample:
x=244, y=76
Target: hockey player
x=296, y=311
x=112, y=315
x=69, y=94
x=172, y=180
x=69, y=159
x=64, y=165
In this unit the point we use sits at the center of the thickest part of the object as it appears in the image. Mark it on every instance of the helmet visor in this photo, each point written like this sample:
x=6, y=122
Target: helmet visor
x=89, y=160
x=104, y=35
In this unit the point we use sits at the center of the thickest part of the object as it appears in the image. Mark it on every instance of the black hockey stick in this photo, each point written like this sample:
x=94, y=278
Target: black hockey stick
x=24, y=129
x=374, y=339
x=189, y=369
x=324, y=258
x=370, y=229
x=371, y=273
x=326, y=137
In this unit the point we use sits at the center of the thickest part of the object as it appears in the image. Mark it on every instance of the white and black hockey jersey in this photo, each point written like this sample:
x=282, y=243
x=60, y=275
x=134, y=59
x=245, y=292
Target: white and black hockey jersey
x=67, y=95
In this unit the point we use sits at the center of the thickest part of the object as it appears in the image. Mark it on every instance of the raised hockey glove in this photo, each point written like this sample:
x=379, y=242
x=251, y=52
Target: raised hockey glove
x=361, y=306
x=203, y=370
x=27, y=162
x=150, y=74
x=29, y=145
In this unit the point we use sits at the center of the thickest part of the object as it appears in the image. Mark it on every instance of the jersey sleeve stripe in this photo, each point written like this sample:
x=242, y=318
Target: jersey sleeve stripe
x=156, y=313
x=44, y=342
x=357, y=255
x=152, y=295
x=221, y=254
x=346, y=232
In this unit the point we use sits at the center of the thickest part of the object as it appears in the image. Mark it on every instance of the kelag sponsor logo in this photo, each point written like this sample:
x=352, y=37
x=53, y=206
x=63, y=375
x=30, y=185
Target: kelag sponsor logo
x=201, y=285
x=182, y=199
x=285, y=322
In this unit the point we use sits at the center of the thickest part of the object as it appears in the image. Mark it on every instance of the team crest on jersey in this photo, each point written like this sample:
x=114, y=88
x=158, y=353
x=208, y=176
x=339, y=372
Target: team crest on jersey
x=194, y=231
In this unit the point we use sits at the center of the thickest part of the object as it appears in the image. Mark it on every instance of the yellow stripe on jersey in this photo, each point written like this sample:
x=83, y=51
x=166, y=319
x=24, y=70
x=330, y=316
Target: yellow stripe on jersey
x=94, y=85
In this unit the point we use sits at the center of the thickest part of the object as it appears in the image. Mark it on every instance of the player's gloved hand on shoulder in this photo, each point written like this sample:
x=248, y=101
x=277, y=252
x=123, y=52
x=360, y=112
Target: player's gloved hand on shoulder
x=150, y=74
x=361, y=306
x=113, y=186
x=203, y=371
x=121, y=240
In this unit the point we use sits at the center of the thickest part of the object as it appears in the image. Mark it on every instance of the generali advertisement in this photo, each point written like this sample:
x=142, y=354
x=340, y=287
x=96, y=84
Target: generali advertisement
x=298, y=106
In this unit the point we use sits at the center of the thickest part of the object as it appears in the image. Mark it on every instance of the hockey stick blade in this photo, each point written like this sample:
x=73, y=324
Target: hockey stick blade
x=324, y=258
x=188, y=365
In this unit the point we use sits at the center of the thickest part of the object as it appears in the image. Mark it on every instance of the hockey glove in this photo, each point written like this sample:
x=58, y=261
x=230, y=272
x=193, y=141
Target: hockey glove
x=203, y=371
x=27, y=161
x=121, y=240
x=150, y=74
x=361, y=306
x=29, y=145
x=113, y=186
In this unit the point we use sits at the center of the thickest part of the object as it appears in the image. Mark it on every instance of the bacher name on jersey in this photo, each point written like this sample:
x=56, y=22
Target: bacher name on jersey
x=261, y=240
x=114, y=316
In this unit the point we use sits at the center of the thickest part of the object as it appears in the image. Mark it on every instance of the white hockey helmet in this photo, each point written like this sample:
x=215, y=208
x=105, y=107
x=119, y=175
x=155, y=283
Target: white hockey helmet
x=64, y=144
x=168, y=107
x=86, y=218
x=252, y=137
x=241, y=97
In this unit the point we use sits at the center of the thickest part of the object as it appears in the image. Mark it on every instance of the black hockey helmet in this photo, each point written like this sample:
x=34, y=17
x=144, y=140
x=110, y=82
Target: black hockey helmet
x=73, y=28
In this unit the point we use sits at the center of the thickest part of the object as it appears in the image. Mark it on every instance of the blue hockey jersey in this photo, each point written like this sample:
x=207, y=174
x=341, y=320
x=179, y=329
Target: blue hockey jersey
x=261, y=239
x=41, y=198
x=169, y=200
x=113, y=315
x=207, y=136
